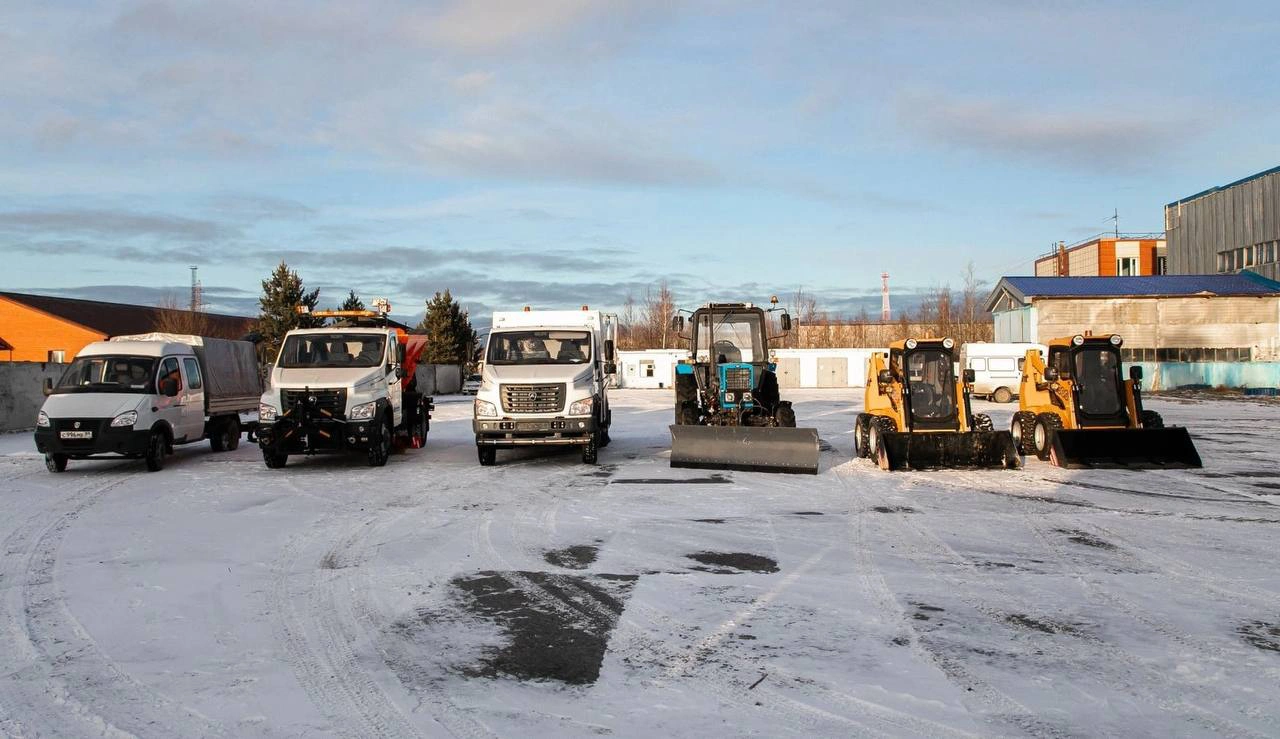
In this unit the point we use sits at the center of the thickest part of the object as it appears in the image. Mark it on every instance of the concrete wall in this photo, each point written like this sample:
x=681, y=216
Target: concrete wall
x=22, y=393
x=1174, y=375
x=439, y=379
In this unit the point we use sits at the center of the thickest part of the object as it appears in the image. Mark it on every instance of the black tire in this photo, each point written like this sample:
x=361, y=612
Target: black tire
x=879, y=425
x=421, y=427
x=591, y=451
x=982, y=422
x=157, y=445
x=882, y=455
x=488, y=455
x=1023, y=428
x=55, y=462
x=687, y=415
x=1046, y=425
x=226, y=438
x=786, y=416
x=861, y=431
x=1152, y=420
x=1002, y=395
x=686, y=397
x=274, y=460
x=380, y=448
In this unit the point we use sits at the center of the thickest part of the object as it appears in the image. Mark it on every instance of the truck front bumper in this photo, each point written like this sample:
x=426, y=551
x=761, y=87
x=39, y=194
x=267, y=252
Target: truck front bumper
x=124, y=440
x=315, y=436
x=533, y=432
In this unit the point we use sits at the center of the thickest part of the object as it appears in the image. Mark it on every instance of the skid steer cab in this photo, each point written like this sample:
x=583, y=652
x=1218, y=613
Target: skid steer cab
x=1076, y=409
x=729, y=413
x=917, y=414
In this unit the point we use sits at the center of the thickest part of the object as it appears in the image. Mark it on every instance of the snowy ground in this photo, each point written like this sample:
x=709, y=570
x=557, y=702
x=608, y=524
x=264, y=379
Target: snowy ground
x=544, y=598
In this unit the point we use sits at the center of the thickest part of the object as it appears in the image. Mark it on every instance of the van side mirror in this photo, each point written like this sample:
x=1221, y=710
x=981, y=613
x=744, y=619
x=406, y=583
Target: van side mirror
x=1135, y=373
x=1051, y=374
x=169, y=387
x=885, y=377
x=785, y=320
x=677, y=323
x=969, y=376
x=609, y=352
x=48, y=386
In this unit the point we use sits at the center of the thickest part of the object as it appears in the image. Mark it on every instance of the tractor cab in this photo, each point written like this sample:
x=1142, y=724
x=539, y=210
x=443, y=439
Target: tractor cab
x=730, y=340
x=1092, y=365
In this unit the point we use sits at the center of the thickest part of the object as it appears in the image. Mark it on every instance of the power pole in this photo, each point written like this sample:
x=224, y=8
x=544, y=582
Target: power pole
x=195, y=290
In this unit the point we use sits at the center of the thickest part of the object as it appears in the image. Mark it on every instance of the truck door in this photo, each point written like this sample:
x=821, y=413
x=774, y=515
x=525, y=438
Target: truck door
x=169, y=402
x=395, y=388
x=192, y=395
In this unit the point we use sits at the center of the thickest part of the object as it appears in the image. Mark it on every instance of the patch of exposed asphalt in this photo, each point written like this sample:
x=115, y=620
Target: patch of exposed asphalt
x=576, y=557
x=1084, y=537
x=708, y=520
x=731, y=563
x=564, y=640
x=925, y=612
x=716, y=479
x=894, y=509
x=1262, y=635
x=806, y=513
x=1043, y=625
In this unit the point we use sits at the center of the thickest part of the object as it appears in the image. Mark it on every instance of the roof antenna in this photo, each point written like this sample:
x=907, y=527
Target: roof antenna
x=1115, y=216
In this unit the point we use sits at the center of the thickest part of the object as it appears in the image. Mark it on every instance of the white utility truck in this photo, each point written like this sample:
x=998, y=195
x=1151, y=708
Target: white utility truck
x=997, y=367
x=545, y=381
x=140, y=395
x=345, y=388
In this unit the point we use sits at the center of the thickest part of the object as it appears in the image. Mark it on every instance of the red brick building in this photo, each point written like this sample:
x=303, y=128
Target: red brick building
x=1106, y=255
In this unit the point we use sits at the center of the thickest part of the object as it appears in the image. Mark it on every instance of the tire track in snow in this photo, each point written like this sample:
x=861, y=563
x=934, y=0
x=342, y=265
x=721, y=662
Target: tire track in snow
x=66, y=684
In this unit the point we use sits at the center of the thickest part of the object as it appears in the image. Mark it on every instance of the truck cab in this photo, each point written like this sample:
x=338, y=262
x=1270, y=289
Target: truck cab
x=545, y=382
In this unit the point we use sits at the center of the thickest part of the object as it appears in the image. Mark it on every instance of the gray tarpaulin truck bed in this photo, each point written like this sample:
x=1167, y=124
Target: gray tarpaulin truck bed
x=231, y=378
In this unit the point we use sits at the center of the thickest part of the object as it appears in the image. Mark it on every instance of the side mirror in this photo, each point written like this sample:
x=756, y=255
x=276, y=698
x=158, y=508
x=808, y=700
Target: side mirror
x=394, y=370
x=1051, y=374
x=885, y=377
x=1135, y=373
x=609, y=352
x=48, y=386
x=677, y=323
x=969, y=376
x=785, y=320
x=610, y=368
x=169, y=387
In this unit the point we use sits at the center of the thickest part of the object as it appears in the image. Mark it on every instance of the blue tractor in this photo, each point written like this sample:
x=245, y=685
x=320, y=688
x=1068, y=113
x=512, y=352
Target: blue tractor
x=729, y=413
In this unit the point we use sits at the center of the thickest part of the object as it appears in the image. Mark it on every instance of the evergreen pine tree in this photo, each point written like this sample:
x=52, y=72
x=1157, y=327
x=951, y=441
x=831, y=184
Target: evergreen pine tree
x=353, y=302
x=450, y=337
x=282, y=293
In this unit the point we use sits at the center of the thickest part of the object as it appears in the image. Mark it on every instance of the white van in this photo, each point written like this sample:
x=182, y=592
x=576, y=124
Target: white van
x=997, y=368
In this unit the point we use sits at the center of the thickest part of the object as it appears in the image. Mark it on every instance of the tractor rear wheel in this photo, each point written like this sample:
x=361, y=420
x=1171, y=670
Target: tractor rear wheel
x=786, y=416
x=1047, y=424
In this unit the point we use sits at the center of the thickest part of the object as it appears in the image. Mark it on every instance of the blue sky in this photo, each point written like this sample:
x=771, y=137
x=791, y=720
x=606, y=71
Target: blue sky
x=564, y=151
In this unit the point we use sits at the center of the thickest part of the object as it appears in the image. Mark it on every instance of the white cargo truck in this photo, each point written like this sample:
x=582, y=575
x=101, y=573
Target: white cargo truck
x=545, y=382
x=138, y=396
x=997, y=367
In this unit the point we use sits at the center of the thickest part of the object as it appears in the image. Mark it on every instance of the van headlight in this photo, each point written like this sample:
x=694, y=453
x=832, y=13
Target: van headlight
x=485, y=409
x=266, y=412
x=363, y=412
x=128, y=418
x=582, y=407
x=42, y=420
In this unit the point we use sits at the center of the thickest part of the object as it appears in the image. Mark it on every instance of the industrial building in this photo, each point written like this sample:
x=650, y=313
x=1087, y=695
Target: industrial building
x=42, y=328
x=1227, y=229
x=649, y=368
x=1106, y=255
x=1201, y=322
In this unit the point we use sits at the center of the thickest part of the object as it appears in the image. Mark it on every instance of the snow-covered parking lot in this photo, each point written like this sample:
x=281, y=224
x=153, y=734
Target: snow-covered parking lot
x=542, y=597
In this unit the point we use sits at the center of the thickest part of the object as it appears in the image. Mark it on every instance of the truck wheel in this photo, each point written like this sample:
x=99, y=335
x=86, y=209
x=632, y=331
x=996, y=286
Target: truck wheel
x=982, y=422
x=786, y=416
x=591, y=450
x=227, y=436
x=1042, y=435
x=274, y=460
x=1152, y=420
x=1002, y=395
x=488, y=455
x=380, y=447
x=156, y=448
x=55, y=462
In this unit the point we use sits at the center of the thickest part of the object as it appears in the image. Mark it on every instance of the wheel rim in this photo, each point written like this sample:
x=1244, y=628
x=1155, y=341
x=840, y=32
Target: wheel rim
x=1016, y=431
x=1040, y=435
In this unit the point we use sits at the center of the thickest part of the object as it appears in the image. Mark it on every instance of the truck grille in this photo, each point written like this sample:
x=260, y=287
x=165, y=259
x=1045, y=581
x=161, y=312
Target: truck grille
x=334, y=401
x=737, y=378
x=532, y=398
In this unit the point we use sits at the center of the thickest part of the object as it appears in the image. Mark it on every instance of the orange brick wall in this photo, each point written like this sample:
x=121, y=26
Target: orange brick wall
x=1107, y=258
x=33, y=333
x=1146, y=257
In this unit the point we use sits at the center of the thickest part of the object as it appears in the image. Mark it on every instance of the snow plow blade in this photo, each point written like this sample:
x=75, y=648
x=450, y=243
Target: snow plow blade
x=751, y=448
x=947, y=450
x=1166, y=448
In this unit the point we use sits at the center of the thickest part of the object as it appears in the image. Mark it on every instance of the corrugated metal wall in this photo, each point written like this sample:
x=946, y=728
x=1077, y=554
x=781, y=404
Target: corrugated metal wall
x=1243, y=215
x=1167, y=323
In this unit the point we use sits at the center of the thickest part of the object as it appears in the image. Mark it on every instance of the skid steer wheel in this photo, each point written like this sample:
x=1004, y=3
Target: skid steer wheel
x=861, y=429
x=380, y=446
x=982, y=422
x=488, y=455
x=880, y=425
x=1023, y=428
x=1152, y=420
x=1046, y=425
x=786, y=416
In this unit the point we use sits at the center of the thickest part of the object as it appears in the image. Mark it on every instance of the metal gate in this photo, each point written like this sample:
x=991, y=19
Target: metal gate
x=789, y=372
x=833, y=372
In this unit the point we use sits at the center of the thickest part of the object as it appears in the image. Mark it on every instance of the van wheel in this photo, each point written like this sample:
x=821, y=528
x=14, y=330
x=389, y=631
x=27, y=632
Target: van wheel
x=488, y=455
x=157, y=445
x=1002, y=395
x=55, y=462
x=227, y=437
x=380, y=447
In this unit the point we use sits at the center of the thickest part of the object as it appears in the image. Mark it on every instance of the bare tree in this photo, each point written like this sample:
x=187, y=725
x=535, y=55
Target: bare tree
x=659, y=307
x=171, y=318
x=627, y=328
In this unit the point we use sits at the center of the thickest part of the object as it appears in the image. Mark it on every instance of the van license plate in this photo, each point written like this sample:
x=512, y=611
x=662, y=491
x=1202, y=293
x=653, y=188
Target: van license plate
x=76, y=434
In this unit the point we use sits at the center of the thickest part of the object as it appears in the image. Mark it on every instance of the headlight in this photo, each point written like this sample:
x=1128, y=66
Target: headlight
x=1115, y=339
x=266, y=412
x=911, y=343
x=485, y=409
x=582, y=407
x=1077, y=339
x=42, y=420
x=128, y=418
x=948, y=343
x=363, y=412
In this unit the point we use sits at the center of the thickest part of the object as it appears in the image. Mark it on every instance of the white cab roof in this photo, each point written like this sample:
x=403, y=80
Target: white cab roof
x=135, y=348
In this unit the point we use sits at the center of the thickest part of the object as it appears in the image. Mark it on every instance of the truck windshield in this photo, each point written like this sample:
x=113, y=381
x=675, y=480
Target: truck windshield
x=732, y=337
x=932, y=385
x=539, y=347
x=1097, y=373
x=109, y=374
x=333, y=350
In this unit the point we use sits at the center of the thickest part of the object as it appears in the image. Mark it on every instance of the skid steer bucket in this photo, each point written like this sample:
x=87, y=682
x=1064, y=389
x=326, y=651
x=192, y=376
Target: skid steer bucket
x=1167, y=448
x=752, y=448
x=947, y=450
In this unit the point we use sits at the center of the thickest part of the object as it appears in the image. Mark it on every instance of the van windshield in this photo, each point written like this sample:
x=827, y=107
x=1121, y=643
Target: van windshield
x=109, y=374
x=539, y=347
x=333, y=350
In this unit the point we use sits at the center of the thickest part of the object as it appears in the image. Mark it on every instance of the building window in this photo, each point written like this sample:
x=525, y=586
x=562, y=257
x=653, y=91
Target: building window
x=1127, y=266
x=648, y=368
x=58, y=356
x=1162, y=265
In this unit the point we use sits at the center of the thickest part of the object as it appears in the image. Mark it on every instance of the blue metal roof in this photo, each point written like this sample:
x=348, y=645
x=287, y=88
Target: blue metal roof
x=1241, y=283
x=1229, y=185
